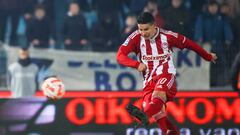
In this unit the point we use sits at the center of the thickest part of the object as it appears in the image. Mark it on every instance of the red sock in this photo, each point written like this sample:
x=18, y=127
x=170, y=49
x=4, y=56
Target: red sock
x=172, y=127
x=162, y=124
x=165, y=124
x=154, y=107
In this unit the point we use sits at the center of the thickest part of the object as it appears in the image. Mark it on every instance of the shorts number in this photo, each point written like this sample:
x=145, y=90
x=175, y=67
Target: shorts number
x=162, y=80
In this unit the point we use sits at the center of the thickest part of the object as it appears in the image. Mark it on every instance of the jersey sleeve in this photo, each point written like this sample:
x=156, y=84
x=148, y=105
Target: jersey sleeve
x=181, y=42
x=130, y=45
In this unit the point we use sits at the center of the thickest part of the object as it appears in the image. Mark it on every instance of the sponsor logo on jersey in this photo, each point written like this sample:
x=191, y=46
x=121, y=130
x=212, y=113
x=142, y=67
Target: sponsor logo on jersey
x=143, y=45
x=152, y=58
x=164, y=45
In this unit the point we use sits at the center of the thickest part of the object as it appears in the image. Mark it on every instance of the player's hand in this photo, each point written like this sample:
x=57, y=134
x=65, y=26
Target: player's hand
x=142, y=67
x=214, y=57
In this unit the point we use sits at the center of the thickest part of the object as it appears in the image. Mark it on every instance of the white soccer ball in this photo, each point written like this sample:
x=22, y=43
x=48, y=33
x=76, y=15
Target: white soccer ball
x=53, y=88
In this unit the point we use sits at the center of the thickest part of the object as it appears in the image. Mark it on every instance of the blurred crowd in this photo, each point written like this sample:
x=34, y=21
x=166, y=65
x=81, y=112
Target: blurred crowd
x=102, y=25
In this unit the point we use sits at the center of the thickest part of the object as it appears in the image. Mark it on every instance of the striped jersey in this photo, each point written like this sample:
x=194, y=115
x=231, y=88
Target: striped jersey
x=156, y=53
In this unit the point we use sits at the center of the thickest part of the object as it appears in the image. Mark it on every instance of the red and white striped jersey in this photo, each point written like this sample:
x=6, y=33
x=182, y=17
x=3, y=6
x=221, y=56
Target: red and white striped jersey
x=156, y=53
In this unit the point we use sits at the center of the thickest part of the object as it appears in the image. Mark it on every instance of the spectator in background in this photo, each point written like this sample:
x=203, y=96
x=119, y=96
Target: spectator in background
x=233, y=5
x=48, y=5
x=214, y=29
x=231, y=50
x=177, y=18
x=10, y=10
x=105, y=34
x=235, y=21
x=28, y=15
x=28, y=10
x=152, y=7
x=75, y=29
x=22, y=76
x=225, y=10
x=196, y=7
x=85, y=5
x=130, y=26
x=39, y=30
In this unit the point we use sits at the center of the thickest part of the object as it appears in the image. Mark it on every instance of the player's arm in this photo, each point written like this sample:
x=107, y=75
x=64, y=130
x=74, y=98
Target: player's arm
x=182, y=42
x=122, y=55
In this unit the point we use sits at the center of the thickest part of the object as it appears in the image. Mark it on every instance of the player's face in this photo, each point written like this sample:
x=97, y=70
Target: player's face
x=147, y=30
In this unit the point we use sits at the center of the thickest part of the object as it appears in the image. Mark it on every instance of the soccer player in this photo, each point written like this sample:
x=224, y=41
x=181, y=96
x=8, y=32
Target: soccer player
x=154, y=47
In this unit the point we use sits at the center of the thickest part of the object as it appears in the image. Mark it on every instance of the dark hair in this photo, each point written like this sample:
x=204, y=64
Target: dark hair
x=75, y=3
x=131, y=15
x=152, y=1
x=212, y=2
x=145, y=18
x=39, y=7
x=24, y=48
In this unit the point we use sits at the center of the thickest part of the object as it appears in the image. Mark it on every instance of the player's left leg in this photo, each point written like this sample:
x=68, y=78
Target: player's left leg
x=165, y=124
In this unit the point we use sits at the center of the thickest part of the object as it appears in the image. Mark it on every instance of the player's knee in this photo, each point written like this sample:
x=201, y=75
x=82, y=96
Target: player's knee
x=157, y=113
x=160, y=95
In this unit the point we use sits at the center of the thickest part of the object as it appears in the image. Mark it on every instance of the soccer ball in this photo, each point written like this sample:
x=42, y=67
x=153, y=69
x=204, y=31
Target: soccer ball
x=53, y=88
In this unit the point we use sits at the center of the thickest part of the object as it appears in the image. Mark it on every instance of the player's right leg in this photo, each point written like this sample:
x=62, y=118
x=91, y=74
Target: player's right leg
x=165, y=90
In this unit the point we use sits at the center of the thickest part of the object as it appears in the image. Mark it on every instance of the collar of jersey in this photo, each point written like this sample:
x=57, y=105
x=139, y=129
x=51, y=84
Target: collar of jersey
x=155, y=34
